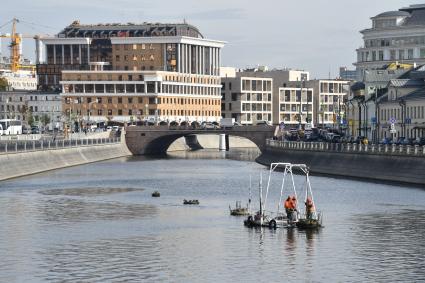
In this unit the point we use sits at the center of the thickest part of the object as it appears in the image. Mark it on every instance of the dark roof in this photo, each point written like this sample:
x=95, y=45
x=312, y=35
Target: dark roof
x=417, y=94
x=357, y=86
x=129, y=30
x=417, y=18
x=393, y=14
x=413, y=8
x=408, y=83
x=414, y=73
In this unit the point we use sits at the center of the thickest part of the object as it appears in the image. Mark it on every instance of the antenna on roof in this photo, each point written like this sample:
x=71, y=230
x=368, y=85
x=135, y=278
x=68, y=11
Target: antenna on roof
x=184, y=21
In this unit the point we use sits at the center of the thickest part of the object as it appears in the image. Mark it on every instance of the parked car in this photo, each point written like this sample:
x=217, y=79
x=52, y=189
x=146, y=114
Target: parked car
x=335, y=138
x=35, y=130
x=208, y=125
x=263, y=123
x=386, y=141
x=26, y=130
x=408, y=141
x=419, y=141
x=399, y=140
x=360, y=140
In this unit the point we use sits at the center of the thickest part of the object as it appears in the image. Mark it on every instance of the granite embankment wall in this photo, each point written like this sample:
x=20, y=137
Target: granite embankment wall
x=19, y=164
x=378, y=167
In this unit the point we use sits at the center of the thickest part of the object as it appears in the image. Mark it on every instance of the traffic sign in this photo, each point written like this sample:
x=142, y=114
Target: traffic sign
x=393, y=120
x=393, y=130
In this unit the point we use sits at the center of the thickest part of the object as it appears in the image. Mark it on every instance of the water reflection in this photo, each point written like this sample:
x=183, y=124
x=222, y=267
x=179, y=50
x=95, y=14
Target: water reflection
x=64, y=210
x=386, y=241
x=88, y=191
x=102, y=227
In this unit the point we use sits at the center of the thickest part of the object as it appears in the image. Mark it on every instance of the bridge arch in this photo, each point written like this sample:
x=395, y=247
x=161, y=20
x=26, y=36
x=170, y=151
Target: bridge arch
x=156, y=140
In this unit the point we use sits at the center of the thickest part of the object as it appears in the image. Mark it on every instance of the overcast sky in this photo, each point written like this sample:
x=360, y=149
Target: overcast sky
x=314, y=35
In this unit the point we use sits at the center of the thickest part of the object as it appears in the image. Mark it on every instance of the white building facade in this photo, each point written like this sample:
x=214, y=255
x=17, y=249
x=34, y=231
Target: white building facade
x=247, y=99
x=395, y=36
x=296, y=105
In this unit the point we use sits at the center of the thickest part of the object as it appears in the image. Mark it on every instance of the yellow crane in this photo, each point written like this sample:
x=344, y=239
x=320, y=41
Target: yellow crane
x=15, y=42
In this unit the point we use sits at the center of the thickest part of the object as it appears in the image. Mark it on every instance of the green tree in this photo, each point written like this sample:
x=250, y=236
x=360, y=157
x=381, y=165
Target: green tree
x=3, y=84
x=45, y=119
x=30, y=119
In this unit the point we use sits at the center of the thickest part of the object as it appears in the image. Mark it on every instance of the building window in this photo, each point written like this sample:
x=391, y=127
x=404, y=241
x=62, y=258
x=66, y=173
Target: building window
x=119, y=100
x=120, y=112
x=234, y=96
x=109, y=112
x=130, y=100
x=99, y=100
x=130, y=112
x=99, y=112
x=109, y=100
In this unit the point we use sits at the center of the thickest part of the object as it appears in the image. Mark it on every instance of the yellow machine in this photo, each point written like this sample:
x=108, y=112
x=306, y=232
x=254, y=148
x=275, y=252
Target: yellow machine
x=15, y=42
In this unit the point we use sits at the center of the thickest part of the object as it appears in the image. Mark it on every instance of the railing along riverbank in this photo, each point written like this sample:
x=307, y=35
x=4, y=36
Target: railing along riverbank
x=376, y=149
x=17, y=146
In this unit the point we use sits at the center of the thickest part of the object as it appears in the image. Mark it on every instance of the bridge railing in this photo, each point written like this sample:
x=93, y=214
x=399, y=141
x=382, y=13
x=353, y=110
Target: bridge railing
x=378, y=149
x=13, y=146
x=206, y=129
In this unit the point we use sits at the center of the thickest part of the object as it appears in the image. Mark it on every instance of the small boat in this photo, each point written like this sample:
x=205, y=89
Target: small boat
x=260, y=218
x=191, y=201
x=239, y=210
x=156, y=194
x=308, y=219
x=306, y=223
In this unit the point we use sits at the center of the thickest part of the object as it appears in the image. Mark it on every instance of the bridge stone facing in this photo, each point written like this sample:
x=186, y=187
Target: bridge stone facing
x=153, y=140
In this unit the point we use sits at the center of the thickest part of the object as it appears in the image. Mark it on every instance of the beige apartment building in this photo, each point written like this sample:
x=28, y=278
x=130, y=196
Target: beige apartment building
x=296, y=105
x=247, y=99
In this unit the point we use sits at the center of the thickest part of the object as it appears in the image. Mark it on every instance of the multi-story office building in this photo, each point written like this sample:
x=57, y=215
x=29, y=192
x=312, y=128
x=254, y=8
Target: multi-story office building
x=247, y=99
x=329, y=102
x=394, y=36
x=346, y=74
x=21, y=105
x=281, y=78
x=166, y=72
x=296, y=105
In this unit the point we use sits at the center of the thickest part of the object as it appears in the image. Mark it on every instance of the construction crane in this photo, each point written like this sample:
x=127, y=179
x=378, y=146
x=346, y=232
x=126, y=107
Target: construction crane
x=15, y=46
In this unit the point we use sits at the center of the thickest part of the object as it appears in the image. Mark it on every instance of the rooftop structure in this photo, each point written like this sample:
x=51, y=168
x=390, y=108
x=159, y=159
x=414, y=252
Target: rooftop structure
x=76, y=30
x=395, y=37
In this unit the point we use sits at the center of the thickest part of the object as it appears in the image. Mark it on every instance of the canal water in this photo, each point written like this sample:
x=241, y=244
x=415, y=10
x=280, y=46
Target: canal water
x=99, y=223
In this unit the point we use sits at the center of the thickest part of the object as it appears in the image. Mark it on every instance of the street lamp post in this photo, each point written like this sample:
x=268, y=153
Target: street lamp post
x=146, y=113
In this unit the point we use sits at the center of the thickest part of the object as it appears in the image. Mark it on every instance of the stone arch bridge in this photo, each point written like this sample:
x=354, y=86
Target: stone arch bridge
x=151, y=140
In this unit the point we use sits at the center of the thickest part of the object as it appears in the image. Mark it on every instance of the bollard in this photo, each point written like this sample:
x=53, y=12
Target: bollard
x=423, y=149
x=379, y=148
x=393, y=148
x=49, y=144
x=25, y=146
x=222, y=142
x=407, y=149
x=33, y=145
x=16, y=147
x=400, y=148
x=373, y=148
x=386, y=148
x=5, y=147
x=416, y=149
x=56, y=144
